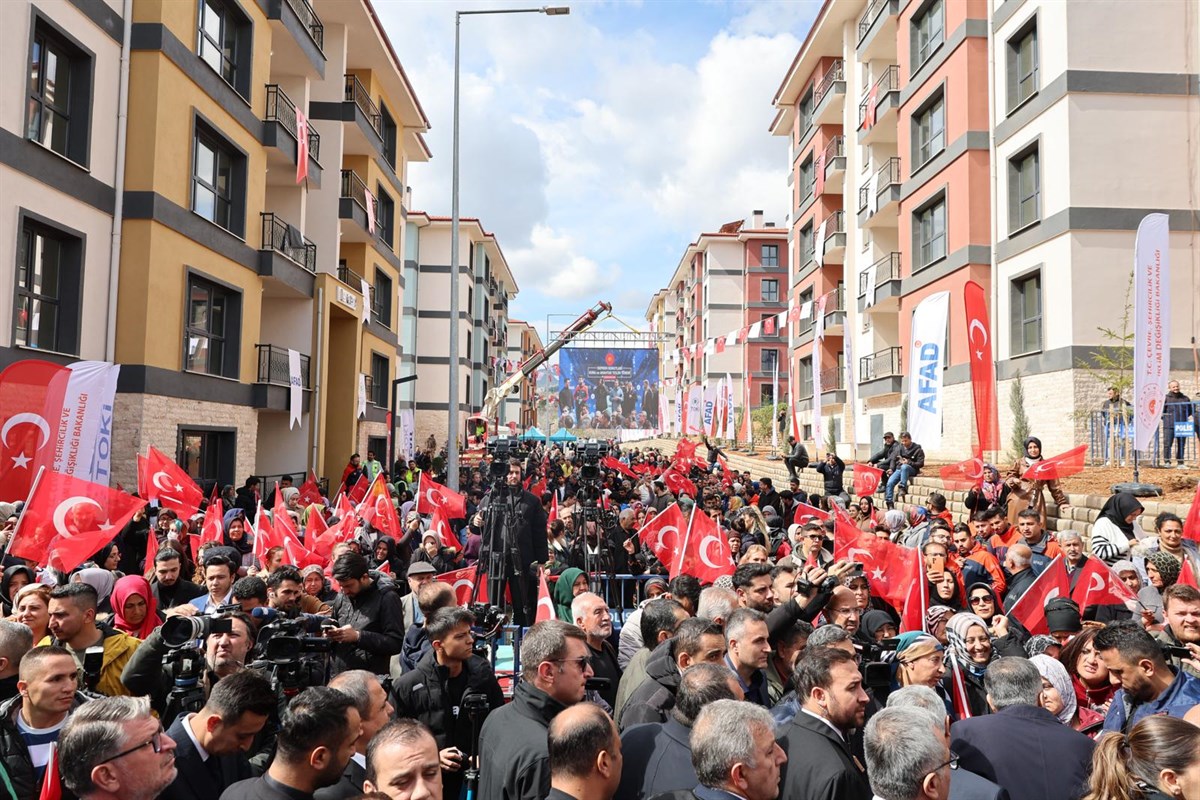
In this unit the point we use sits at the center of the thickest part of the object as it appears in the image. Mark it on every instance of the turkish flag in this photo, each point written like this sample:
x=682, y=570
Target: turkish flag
x=803, y=513
x=545, y=606
x=678, y=484
x=614, y=464
x=794, y=314
x=281, y=520
x=141, y=476
x=768, y=324
x=1060, y=466
x=264, y=536
x=889, y=567
x=378, y=510
x=705, y=552
x=213, y=529
x=31, y=402
x=983, y=368
x=553, y=515
x=51, y=779
x=344, y=508
x=173, y=488
x=310, y=491
x=462, y=581
x=916, y=598
x=314, y=526
x=1030, y=608
x=441, y=526
x=301, y=144
x=663, y=533
x=1098, y=585
x=964, y=474
x=685, y=454
x=359, y=490
x=431, y=495
x=1191, y=526
x=719, y=345
x=538, y=489
x=1187, y=575
x=866, y=479
x=67, y=519
x=343, y=531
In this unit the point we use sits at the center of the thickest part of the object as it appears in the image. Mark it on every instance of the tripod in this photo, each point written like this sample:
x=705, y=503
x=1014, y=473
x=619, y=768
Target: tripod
x=591, y=515
x=476, y=706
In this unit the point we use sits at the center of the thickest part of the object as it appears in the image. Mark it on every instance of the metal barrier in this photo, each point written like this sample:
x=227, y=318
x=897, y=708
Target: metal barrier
x=1110, y=438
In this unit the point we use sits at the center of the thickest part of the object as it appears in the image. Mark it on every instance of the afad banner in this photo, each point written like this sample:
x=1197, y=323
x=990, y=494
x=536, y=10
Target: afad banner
x=925, y=370
x=1152, y=326
x=608, y=388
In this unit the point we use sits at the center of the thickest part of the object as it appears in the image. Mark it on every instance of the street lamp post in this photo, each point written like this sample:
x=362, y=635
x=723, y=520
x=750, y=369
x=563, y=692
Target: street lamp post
x=452, y=435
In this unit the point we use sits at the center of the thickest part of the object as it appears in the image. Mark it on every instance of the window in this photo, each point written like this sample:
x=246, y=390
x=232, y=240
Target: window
x=218, y=180
x=224, y=43
x=770, y=255
x=49, y=274
x=60, y=84
x=770, y=291
x=1026, y=307
x=1024, y=190
x=388, y=126
x=805, y=115
x=1022, y=65
x=381, y=299
x=808, y=176
x=928, y=33
x=385, y=216
x=806, y=378
x=766, y=395
x=379, y=380
x=929, y=129
x=207, y=455
x=807, y=244
x=768, y=358
x=930, y=232
x=214, y=316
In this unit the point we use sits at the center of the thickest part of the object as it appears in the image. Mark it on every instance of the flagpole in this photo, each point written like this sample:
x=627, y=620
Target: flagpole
x=683, y=549
x=21, y=517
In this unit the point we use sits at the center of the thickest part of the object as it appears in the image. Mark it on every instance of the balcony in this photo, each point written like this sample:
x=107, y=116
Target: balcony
x=297, y=39
x=880, y=198
x=835, y=312
x=835, y=165
x=877, y=30
x=879, y=285
x=281, y=136
x=356, y=209
x=833, y=386
x=364, y=129
x=881, y=101
x=833, y=246
x=287, y=258
x=829, y=95
x=880, y=373
x=351, y=278
x=272, y=388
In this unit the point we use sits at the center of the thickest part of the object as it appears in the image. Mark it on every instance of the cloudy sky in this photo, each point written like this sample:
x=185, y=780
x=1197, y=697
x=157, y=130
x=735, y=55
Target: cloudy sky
x=597, y=145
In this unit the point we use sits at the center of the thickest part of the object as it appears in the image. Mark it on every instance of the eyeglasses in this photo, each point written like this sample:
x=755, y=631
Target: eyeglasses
x=154, y=741
x=583, y=662
x=952, y=764
x=983, y=598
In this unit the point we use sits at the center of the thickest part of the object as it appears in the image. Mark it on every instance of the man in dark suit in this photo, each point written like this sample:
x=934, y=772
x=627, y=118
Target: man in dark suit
x=528, y=520
x=374, y=711
x=832, y=704
x=211, y=744
x=1021, y=746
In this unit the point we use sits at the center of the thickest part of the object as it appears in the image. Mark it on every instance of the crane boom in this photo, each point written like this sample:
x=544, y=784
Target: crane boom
x=491, y=404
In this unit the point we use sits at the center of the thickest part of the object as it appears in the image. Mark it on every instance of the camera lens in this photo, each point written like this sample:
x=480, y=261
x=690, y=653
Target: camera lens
x=178, y=631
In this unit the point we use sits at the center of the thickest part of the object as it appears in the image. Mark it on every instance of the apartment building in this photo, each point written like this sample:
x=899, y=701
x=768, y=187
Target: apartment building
x=485, y=288
x=520, y=407
x=727, y=281
x=213, y=236
x=908, y=177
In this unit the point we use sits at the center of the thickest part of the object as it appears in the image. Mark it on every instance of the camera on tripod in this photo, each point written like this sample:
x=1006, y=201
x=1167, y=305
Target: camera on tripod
x=184, y=662
x=876, y=664
x=589, y=454
x=502, y=449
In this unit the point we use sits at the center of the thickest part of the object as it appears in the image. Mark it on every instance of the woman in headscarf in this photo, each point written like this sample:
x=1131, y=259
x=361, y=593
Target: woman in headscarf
x=1029, y=493
x=15, y=579
x=135, y=611
x=239, y=538
x=571, y=581
x=971, y=652
x=315, y=584
x=894, y=519
x=1089, y=674
x=102, y=581
x=935, y=621
x=920, y=661
x=384, y=552
x=868, y=515
x=1058, y=697
x=108, y=557
x=918, y=528
x=1113, y=530
x=1162, y=571
x=876, y=626
x=992, y=493
x=947, y=591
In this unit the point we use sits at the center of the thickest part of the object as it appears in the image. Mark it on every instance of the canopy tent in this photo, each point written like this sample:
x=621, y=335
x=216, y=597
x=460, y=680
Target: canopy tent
x=533, y=433
x=563, y=435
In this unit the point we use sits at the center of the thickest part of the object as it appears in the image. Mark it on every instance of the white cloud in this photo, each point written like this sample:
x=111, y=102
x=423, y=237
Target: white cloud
x=552, y=265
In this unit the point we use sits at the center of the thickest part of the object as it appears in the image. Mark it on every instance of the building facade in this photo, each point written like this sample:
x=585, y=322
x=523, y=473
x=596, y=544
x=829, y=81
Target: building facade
x=485, y=288
x=520, y=407
x=919, y=133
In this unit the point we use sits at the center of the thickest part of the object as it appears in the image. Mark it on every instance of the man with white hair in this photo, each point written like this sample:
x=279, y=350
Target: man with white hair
x=114, y=748
x=907, y=757
x=593, y=617
x=734, y=753
x=717, y=604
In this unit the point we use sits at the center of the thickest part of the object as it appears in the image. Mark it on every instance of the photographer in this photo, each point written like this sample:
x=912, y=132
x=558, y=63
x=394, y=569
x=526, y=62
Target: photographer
x=73, y=625
x=436, y=692
x=528, y=529
x=369, y=619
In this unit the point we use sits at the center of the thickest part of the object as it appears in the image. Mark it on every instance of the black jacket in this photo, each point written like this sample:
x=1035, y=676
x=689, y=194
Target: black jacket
x=14, y=755
x=651, y=700
x=247, y=502
x=658, y=758
x=1017, y=584
x=421, y=694
x=349, y=786
x=196, y=779
x=832, y=473
x=819, y=764
x=915, y=455
x=517, y=764
x=377, y=616
x=178, y=594
x=882, y=458
x=530, y=528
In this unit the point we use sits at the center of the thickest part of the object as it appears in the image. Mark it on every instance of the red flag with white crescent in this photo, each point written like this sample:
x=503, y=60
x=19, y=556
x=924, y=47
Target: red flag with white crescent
x=983, y=368
x=441, y=526
x=51, y=778
x=545, y=606
x=314, y=526
x=803, y=513
x=431, y=495
x=173, y=488
x=213, y=529
x=360, y=488
x=866, y=479
x=462, y=581
x=1030, y=608
x=916, y=598
x=705, y=553
x=888, y=566
x=1098, y=585
x=963, y=475
x=1060, y=466
x=31, y=403
x=378, y=510
x=68, y=519
x=264, y=536
x=310, y=490
x=663, y=533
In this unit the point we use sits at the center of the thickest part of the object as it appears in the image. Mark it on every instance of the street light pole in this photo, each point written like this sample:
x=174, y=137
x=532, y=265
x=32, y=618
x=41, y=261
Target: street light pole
x=452, y=435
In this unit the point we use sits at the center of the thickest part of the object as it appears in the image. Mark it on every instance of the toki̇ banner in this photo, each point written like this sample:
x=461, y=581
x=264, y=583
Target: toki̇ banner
x=925, y=370
x=608, y=388
x=1152, y=326
x=83, y=446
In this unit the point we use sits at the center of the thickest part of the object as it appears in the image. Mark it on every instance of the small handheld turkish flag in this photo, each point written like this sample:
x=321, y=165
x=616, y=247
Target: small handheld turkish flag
x=705, y=552
x=1098, y=585
x=1030, y=609
x=866, y=479
x=545, y=606
x=963, y=475
x=462, y=581
x=1060, y=466
x=663, y=533
x=431, y=495
x=173, y=488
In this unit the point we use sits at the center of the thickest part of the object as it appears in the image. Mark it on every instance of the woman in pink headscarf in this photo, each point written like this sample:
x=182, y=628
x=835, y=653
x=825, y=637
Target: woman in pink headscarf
x=135, y=611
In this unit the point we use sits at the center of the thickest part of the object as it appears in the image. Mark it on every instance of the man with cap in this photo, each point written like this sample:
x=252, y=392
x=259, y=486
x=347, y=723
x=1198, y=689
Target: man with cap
x=419, y=574
x=1063, y=619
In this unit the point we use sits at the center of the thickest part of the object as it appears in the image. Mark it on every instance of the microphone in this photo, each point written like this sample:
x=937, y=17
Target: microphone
x=265, y=612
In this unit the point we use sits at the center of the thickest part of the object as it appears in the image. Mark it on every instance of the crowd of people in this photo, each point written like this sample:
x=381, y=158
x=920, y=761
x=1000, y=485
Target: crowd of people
x=223, y=674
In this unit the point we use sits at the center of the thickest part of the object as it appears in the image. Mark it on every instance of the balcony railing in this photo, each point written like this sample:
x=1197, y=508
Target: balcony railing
x=835, y=223
x=835, y=149
x=273, y=366
x=835, y=303
x=310, y=20
x=283, y=238
x=833, y=379
x=887, y=175
x=832, y=75
x=884, y=364
x=281, y=109
x=354, y=188
x=349, y=277
x=869, y=16
x=889, y=81
x=357, y=93
x=886, y=269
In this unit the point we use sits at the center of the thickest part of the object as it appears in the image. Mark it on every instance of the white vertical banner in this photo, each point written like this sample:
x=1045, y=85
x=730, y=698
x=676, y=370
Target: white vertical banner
x=818, y=422
x=695, y=410
x=406, y=440
x=677, y=417
x=851, y=415
x=664, y=419
x=819, y=244
x=1152, y=326
x=775, y=405
x=730, y=433
x=366, y=306
x=295, y=389
x=83, y=447
x=712, y=396
x=926, y=355
x=362, y=395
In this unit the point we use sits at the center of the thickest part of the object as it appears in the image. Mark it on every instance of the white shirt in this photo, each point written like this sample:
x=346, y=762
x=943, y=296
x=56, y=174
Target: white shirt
x=187, y=727
x=832, y=727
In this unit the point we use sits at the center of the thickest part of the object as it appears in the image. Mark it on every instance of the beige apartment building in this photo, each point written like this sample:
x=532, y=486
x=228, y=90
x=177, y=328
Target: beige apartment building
x=520, y=407
x=1014, y=143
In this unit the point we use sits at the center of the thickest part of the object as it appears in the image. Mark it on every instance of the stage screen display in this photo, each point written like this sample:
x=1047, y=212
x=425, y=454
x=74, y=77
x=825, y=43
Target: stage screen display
x=608, y=389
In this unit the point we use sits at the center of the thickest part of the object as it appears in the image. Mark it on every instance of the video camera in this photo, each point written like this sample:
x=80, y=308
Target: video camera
x=488, y=621
x=589, y=453
x=502, y=449
x=876, y=665
x=294, y=651
x=184, y=662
